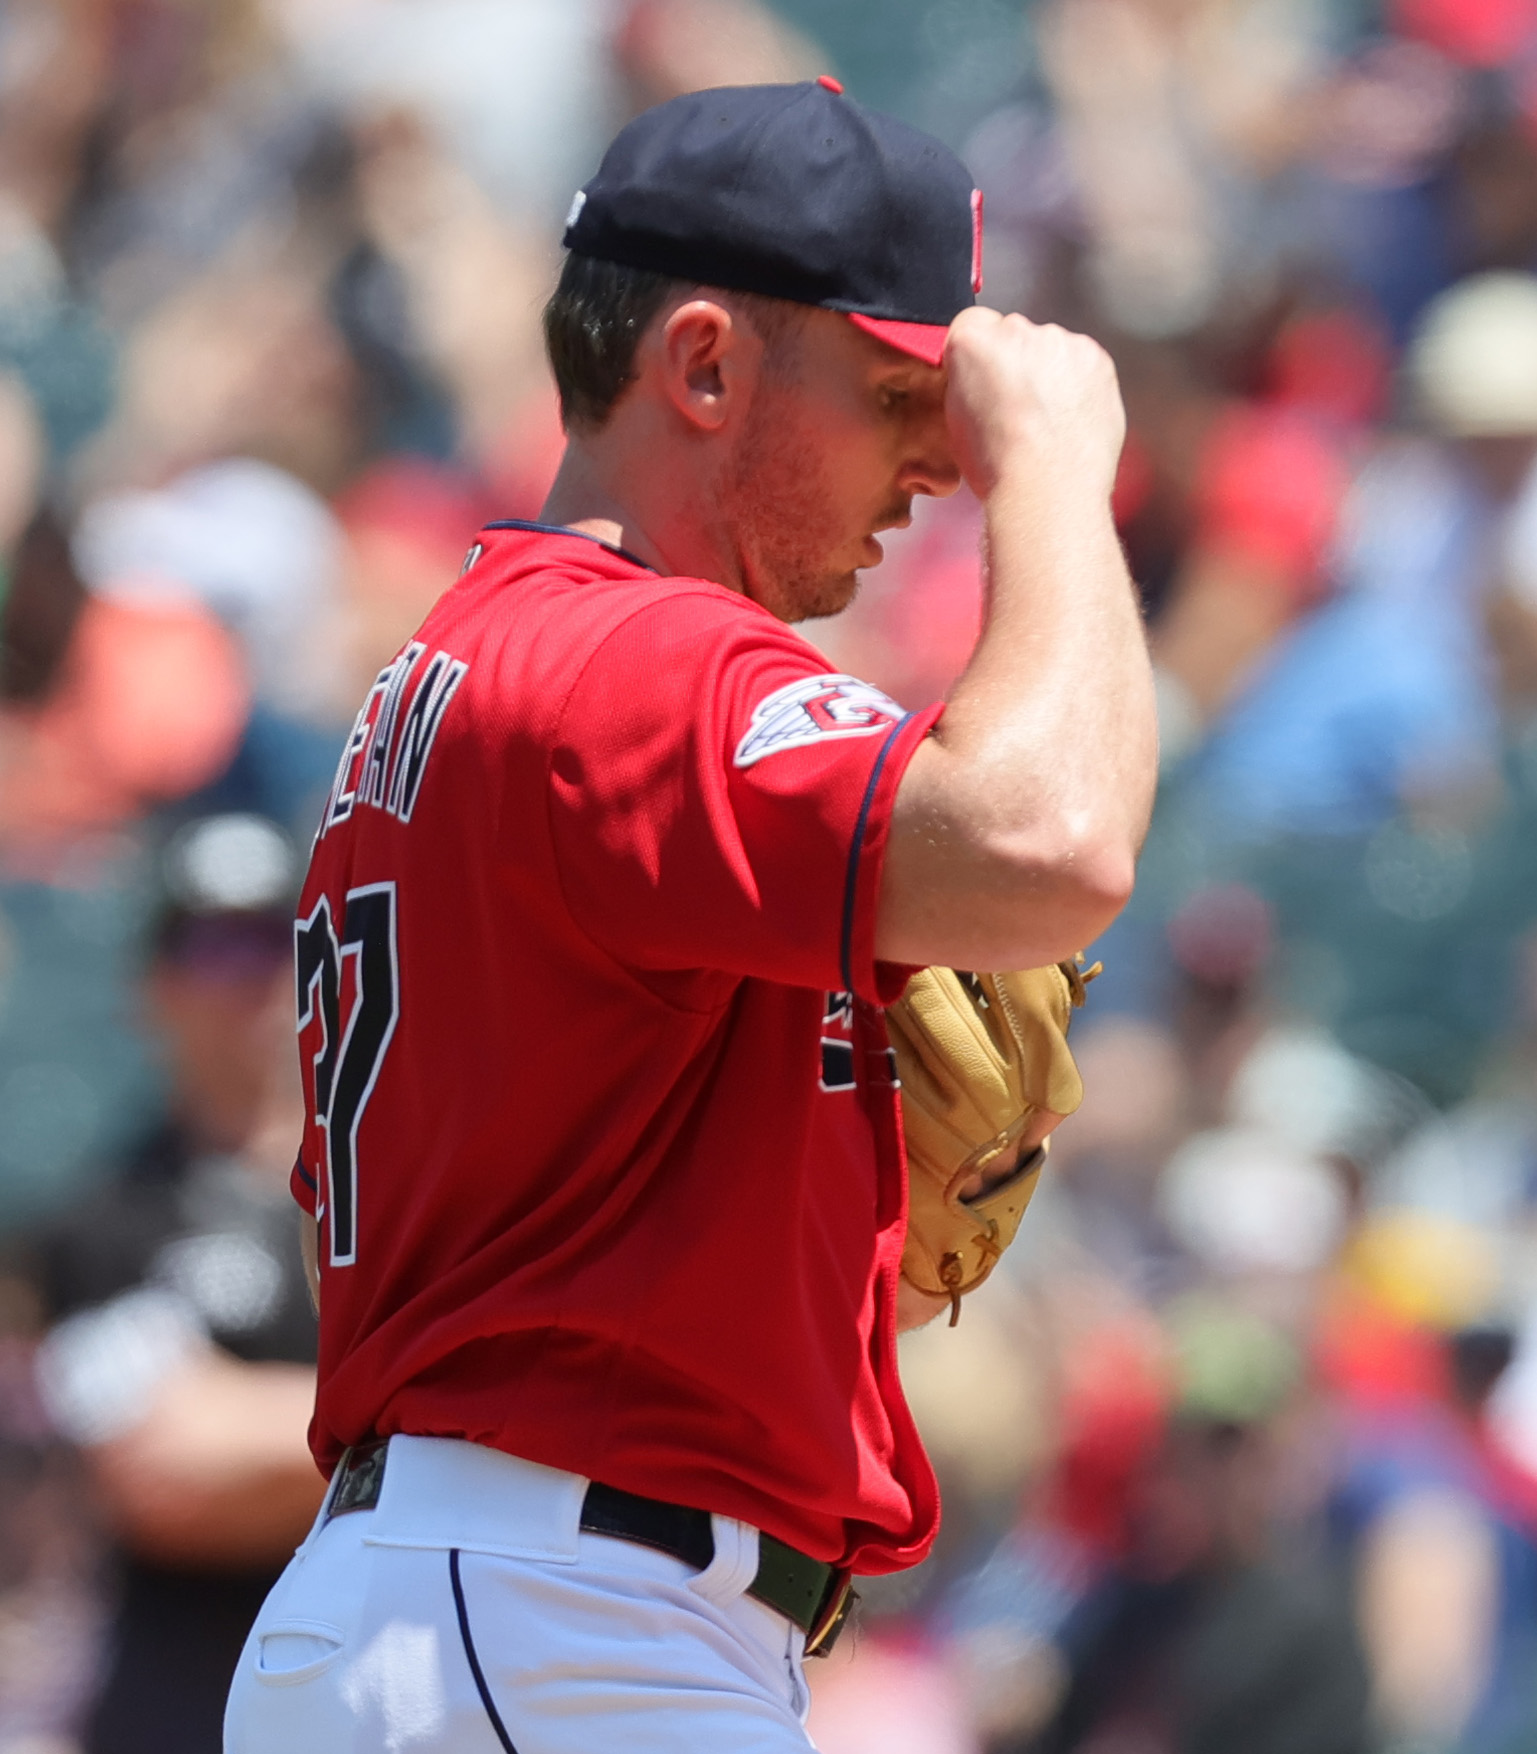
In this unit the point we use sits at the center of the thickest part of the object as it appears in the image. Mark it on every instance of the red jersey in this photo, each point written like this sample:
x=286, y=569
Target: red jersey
x=602, y=1126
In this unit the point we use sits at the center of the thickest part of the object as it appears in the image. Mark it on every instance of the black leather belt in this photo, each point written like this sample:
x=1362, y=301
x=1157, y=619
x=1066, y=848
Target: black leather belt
x=817, y=1597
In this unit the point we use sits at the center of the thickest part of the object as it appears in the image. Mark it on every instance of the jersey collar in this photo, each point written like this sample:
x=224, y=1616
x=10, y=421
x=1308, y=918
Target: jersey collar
x=582, y=535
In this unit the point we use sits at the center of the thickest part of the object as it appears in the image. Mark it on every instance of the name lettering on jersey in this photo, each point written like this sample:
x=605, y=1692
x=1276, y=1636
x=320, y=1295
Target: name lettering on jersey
x=816, y=710
x=385, y=759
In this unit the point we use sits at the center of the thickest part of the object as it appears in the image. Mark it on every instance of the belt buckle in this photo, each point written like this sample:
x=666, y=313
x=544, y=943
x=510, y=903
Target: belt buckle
x=837, y=1605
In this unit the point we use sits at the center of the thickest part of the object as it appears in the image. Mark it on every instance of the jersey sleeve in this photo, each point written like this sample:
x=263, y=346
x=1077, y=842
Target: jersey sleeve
x=720, y=800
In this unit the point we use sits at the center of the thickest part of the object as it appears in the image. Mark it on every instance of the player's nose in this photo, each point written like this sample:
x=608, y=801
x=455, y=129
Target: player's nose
x=930, y=462
x=931, y=466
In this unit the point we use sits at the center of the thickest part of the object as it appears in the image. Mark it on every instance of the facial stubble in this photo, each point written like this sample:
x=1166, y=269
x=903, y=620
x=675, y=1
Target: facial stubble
x=783, y=520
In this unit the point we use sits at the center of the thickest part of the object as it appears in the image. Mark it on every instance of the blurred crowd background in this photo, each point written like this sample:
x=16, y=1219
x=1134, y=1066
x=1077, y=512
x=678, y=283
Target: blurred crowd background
x=1239, y=1449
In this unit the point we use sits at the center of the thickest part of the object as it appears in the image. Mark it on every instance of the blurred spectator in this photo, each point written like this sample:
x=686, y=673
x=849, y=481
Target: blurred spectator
x=1436, y=1523
x=1267, y=494
x=107, y=707
x=521, y=91
x=254, y=546
x=1173, y=118
x=49, y=1622
x=1383, y=700
x=241, y=360
x=1173, y=1623
x=406, y=524
x=180, y=1354
x=1194, y=1643
x=668, y=47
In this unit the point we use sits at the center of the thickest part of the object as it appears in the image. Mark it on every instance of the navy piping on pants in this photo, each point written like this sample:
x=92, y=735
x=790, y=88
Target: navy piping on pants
x=474, y=1661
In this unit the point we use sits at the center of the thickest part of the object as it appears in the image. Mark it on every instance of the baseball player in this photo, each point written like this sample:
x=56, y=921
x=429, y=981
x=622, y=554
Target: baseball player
x=604, y=1150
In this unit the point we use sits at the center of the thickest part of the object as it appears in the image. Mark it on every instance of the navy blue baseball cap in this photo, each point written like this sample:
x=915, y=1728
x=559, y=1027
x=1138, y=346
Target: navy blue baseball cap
x=796, y=192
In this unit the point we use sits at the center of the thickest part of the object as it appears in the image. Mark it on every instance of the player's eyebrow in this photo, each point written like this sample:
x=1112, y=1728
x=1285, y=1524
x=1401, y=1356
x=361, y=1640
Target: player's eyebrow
x=913, y=380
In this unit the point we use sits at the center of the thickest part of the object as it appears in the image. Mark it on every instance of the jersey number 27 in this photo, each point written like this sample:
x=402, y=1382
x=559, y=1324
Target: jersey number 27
x=349, y=999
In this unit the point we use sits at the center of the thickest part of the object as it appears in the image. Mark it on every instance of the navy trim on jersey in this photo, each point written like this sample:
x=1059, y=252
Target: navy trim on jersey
x=305, y=1176
x=851, y=885
x=469, y=1650
x=561, y=530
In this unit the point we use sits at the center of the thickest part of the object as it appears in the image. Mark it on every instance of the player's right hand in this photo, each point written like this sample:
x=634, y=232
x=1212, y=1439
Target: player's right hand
x=1029, y=400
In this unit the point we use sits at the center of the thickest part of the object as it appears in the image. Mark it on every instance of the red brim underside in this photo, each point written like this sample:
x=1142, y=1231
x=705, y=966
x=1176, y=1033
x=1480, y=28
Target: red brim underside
x=925, y=341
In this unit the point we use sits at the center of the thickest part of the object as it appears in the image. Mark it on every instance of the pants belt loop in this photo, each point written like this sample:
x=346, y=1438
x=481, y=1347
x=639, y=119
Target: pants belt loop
x=731, y=1572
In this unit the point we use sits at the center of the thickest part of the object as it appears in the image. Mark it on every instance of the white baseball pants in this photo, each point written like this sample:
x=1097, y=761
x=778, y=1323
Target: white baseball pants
x=470, y=1613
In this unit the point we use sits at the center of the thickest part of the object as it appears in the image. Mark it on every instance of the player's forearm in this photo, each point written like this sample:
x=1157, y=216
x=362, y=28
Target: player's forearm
x=1017, y=825
x=1052, y=730
x=1019, y=821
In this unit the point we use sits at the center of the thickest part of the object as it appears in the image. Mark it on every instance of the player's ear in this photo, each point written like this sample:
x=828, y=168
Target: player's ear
x=707, y=363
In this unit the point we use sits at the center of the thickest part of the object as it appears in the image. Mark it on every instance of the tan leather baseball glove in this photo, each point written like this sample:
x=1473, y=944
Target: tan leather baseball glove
x=986, y=1074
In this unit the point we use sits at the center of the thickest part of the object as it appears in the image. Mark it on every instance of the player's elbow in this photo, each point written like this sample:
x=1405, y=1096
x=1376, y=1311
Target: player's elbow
x=1095, y=889
x=1010, y=905
x=1059, y=891
x=1095, y=865
x=976, y=888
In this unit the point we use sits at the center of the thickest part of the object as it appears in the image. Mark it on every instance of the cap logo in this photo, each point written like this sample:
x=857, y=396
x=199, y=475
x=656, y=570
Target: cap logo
x=976, y=240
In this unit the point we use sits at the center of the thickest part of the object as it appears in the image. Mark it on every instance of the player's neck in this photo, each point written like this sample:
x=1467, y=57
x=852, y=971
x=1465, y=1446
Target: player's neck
x=646, y=504
x=579, y=500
